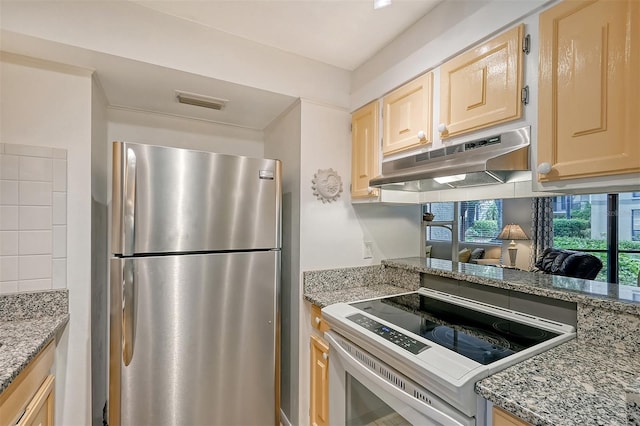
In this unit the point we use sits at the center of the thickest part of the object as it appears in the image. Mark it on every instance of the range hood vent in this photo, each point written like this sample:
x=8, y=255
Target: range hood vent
x=492, y=160
x=201, y=100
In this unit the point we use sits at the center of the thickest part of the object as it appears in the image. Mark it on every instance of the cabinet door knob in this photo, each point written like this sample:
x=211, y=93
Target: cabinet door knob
x=421, y=135
x=318, y=320
x=442, y=127
x=369, y=190
x=544, y=168
x=325, y=355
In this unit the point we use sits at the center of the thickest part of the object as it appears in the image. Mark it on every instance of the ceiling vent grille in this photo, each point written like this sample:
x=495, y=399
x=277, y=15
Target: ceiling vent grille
x=201, y=100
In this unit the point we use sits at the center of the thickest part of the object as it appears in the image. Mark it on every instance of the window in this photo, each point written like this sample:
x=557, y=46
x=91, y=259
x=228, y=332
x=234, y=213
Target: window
x=585, y=222
x=480, y=221
x=635, y=225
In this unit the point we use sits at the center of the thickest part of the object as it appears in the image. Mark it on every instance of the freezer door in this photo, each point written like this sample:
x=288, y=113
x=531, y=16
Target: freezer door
x=170, y=200
x=193, y=339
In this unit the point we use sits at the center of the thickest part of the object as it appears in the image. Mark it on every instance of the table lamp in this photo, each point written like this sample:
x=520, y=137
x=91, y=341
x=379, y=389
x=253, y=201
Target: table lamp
x=512, y=232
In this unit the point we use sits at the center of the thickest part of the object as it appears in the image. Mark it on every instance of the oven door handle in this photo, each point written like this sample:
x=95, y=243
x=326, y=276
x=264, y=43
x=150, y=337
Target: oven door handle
x=433, y=413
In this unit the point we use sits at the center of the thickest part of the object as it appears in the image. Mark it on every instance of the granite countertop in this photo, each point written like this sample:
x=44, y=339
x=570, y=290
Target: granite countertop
x=326, y=298
x=576, y=383
x=28, y=321
x=620, y=298
x=322, y=288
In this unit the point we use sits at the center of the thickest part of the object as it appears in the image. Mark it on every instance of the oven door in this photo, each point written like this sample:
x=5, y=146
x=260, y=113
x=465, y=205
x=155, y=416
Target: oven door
x=365, y=391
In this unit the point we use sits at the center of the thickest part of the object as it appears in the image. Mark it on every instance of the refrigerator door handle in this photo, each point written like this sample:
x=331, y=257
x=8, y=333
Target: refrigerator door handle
x=129, y=200
x=128, y=312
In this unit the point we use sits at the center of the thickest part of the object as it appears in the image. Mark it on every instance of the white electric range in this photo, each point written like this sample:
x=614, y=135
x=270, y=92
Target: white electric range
x=413, y=359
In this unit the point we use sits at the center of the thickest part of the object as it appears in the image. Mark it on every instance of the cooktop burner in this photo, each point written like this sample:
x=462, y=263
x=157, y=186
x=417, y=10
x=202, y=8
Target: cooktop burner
x=480, y=336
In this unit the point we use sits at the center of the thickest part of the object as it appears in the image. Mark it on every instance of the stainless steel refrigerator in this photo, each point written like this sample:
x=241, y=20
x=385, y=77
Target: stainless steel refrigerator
x=195, y=272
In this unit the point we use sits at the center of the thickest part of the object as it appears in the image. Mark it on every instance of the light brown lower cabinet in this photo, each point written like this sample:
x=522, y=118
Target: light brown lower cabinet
x=319, y=397
x=503, y=418
x=29, y=399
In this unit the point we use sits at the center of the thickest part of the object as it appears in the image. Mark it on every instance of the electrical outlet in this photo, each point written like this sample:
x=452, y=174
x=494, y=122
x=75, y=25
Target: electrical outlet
x=367, y=250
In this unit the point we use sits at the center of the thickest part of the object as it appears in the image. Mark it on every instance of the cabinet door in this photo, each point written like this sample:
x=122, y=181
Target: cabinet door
x=39, y=412
x=364, y=150
x=481, y=87
x=319, y=407
x=502, y=418
x=407, y=116
x=589, y=114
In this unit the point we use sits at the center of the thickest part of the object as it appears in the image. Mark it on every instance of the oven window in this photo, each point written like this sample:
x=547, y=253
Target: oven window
x=364, y=408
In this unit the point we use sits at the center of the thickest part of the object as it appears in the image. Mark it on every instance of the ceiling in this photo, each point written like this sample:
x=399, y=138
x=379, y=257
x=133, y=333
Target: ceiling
x=342, y=33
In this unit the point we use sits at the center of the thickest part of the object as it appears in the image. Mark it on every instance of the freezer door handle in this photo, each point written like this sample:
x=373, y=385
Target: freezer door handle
x=129, y=201
x=128, y=312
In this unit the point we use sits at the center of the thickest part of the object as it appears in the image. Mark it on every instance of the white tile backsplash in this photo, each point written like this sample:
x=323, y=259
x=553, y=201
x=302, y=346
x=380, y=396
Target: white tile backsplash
x=8, y=268
x=59, y=208
x=28, y=150
x=59, y=175
x=34, y=267
x=34, y=285
x=8, y=192
x=35, y=193
x=8, y=287
x=35, y=242
x=36, y=169
x=9, y=218
x=9, y=167
x=8, y=243
x=59, y=242
x=33, y=218
x=59, y=273
x=60, y=153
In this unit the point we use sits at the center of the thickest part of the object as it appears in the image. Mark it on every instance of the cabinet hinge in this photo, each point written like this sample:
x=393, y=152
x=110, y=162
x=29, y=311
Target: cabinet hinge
x=526, y=44
x=524, y=95
x=351, y=127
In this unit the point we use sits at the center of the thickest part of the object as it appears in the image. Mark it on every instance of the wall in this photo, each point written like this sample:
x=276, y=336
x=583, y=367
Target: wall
x=48, y=104
x=166, y=130
x=99, y=254
x=282, y=141
x=332, y=234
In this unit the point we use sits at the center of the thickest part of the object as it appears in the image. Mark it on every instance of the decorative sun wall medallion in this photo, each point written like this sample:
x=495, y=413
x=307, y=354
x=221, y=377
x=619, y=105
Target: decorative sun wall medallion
x=327, y=185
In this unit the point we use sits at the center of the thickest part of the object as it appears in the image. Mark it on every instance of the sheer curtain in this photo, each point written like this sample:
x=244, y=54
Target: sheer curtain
x=541, y=227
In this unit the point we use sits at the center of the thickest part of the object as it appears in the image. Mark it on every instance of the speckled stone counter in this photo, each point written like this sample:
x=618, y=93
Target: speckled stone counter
x=28, y=321
x=329, y=286
x=612, y=297
x=633, y=402
x=576, y=383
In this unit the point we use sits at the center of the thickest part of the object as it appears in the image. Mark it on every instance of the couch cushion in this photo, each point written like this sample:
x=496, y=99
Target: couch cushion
x=464, y=255
x=476, y=254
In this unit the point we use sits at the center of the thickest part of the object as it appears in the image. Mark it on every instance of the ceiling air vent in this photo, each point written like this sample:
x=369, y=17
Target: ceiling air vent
x=201, y=100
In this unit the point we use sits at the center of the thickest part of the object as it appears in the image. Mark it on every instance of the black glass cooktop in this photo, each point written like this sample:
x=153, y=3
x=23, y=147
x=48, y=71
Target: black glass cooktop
x=482, y=337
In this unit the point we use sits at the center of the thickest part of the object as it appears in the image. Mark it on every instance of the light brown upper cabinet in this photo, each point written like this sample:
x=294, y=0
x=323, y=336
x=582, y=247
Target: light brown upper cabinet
x=482, y=86
x=407, y=116
x=364, y=150
x=589, y=107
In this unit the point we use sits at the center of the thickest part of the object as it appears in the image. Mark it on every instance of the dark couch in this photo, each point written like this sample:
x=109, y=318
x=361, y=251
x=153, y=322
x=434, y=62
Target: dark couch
x=569, y=263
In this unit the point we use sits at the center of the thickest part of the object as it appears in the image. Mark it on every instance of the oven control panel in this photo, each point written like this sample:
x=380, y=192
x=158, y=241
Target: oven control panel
x=389, y=333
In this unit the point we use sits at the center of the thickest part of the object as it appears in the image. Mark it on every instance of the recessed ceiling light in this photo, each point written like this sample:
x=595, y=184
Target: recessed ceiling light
x=379, y=4
x=201, y=100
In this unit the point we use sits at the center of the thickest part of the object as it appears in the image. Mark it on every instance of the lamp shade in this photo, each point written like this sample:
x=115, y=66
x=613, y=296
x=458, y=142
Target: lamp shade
x=512, y=231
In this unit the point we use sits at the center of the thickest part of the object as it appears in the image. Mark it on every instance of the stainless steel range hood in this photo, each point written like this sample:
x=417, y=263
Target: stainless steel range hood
x=496, y=159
